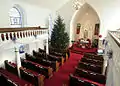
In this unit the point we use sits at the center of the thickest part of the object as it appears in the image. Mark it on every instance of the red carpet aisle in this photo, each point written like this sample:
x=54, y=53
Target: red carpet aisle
x=62, y=75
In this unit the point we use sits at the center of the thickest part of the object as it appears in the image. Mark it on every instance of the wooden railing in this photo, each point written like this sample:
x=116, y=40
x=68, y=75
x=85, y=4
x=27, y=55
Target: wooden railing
x=113, y=70
x=116, y=36
x=11, y=33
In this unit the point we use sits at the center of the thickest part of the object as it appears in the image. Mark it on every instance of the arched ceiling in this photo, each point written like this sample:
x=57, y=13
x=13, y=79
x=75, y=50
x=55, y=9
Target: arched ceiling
x=48, y=4
x=86, y=8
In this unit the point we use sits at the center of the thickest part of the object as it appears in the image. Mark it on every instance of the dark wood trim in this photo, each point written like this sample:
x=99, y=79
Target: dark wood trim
x=2, y=30
x=114, y=39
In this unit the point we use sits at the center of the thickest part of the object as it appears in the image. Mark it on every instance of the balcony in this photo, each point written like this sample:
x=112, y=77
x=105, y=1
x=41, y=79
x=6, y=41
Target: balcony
x=113, y=72
x=8, y=34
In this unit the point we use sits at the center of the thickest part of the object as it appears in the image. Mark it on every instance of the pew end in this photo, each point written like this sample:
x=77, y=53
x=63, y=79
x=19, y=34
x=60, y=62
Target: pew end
x=41, y=80
x=66, y=56
x=63, y=60
x=57, y=66
x=50, y=72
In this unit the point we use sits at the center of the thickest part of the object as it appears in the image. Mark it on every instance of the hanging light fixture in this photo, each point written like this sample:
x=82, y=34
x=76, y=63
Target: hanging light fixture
x=78, y=3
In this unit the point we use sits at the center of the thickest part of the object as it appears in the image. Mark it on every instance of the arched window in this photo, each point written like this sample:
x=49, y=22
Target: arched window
x=15, y=17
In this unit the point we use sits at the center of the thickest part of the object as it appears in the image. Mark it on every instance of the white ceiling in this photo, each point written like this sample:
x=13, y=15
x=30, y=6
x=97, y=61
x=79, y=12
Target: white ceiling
x=49, y=4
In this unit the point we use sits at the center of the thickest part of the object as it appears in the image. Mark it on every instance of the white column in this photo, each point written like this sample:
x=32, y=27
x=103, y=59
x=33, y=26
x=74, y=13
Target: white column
x=36, y=46
x=47, y=46
x=17, y=56
x=50, y=26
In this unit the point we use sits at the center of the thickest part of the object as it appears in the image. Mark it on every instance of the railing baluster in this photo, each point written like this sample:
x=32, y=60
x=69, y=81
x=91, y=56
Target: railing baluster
x=18, y=35
x=11, y=35
x=7, y=36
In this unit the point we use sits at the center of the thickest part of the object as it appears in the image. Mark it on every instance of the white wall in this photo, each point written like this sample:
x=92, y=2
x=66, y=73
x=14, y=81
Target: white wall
x=7, y=48
x=107, y=10
x=66, y=11
x=34, y=15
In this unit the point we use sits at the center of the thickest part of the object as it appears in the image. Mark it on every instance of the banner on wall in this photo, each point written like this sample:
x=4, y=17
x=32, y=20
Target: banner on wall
x=24, y=48
x=78, y=28
x=96, y=29
x=21, y=49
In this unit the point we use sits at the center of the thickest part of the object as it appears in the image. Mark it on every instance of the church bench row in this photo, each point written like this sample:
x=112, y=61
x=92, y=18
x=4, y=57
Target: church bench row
x=93, y=56
x=46, y=71
x=42, y=55
x=65, y=54
x=11, y=67
x=41, y=50
x=77, y=81
x=26, y=72
x=57, y=52
x=52, y=64
x=91, y=67
x=9, y=79
x=90, y=75
x=33, y=77
x=92, y=61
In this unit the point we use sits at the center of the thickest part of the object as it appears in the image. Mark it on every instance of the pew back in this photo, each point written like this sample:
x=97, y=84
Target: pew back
x=53, y=64
x=46, y=71
x=76, y=81
x=13, y=79
x=42, y=55
x=11, y=67
x=93, y=56
x=91, y=67
x=31, y=76
x=92, y=61
x=90, y=75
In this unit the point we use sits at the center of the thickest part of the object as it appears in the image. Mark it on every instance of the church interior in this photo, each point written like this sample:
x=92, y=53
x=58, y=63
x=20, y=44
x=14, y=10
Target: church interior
x=59, y=43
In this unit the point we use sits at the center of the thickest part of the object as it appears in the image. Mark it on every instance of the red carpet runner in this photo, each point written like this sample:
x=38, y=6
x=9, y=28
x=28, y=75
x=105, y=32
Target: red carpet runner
x=61, y=77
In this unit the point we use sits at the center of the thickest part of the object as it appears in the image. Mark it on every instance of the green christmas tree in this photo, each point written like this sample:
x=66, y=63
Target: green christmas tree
x=59, y=38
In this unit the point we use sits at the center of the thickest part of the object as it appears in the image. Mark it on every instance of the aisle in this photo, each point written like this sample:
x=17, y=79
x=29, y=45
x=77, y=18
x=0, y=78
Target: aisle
x=62, y=76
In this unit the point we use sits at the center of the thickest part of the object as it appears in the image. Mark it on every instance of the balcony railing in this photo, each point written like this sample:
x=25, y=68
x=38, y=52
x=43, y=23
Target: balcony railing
x=19, y=33
x=116, y=36
x=114, y=62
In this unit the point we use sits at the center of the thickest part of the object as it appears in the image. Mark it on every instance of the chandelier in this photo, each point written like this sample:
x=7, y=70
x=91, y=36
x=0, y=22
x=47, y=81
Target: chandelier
x=78, y=3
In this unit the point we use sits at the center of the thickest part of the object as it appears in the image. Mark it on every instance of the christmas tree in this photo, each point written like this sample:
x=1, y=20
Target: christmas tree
x=59, y=38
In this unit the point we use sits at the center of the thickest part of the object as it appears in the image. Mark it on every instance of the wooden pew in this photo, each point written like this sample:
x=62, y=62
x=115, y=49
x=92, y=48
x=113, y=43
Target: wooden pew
x=90, y=75
x=9, y=79
x=61, y=60
x=46, y=71
x=43, y=55
x=77, y=81
x=63, y=53
x=91, y=67
x=32, y=77
x=53, y=64
x=92, y=61
x=40, y=55
x=93, y=56
x=11, y=67
x=41, y=50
